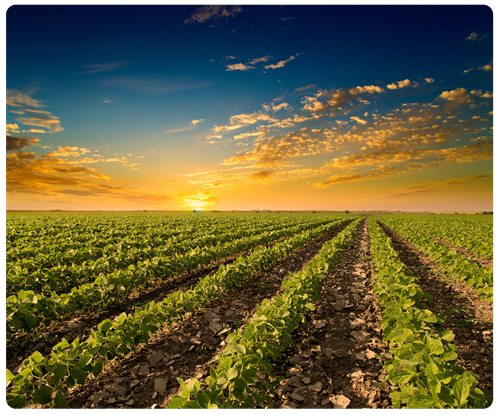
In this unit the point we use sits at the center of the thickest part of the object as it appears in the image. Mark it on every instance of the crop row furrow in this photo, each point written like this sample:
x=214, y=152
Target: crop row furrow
x=244, y=376
x=43, y=380
x=422, y=366
x=456, y=265
x=27, y=310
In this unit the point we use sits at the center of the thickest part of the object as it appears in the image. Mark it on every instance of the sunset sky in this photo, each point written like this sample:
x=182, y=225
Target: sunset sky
x=250, y=107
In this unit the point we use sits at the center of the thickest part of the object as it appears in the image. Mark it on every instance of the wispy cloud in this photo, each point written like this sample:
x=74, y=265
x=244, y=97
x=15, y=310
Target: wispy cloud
x=32, y=117
x=103, y=67
x=305, y=87
x=177, y=130
x=263, y=59
x=194, y=122
x=16, y=98
x=281, y=64
x=156, y=86
x=204, y=13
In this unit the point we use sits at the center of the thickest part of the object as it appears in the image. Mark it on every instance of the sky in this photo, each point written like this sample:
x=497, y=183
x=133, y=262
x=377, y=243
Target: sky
x=293, y=107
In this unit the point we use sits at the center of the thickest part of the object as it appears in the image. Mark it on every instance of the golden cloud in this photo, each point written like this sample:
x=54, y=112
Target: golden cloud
x=16, y=98
x=31, y=174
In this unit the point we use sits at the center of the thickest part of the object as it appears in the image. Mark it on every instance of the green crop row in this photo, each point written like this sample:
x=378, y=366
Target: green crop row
x=422, y=367
x=472, y=233
x=244, y=376
x=456, y=265
x=27, y=310
x=44, y=380
x=61, y=269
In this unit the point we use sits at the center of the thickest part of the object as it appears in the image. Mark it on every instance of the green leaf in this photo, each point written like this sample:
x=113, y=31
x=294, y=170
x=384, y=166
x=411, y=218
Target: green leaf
x=240, y=348
x=79, y=375
x=448, y=335
x=185, y=391
x=434, y=347
x=37, y=358
x=43, y=396
x=232, y=373
x=105, y=325
x=250, y=375
x=60, y=401
x=202, y=400
x=60, y=372
x=400, y=376
x=17, y=402
x=84, y=360
x=461, y=390
x=222, y=382
x=238, y=394
x=310, y=306
x=31, y=321
x=97, y=369
x=176, y=402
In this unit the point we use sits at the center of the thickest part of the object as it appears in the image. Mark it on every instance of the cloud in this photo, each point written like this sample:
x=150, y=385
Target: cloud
x=407, y=83
x=339, y=101
x=194, y=122
x=239, y=67
x=14, y=128
x=458, y=96
x=281, y=64
x=156, y=86
x=18, y=99
x=262, y=175
x=359, y=120
x=108, y=101
x=305, y=87
x=104, y=67
x=257, y=60
x=43, y=120
x=52, y=175
x=473, y=37
x=460, y=180
x=35, y=117
x=204, y=13
x=241, y=120
x=20, y=143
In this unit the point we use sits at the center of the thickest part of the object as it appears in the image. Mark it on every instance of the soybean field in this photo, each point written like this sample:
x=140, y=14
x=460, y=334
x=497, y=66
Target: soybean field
x=248, y=310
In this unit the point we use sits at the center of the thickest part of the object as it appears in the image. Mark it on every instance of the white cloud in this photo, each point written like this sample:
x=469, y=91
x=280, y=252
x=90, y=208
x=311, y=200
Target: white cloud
x=194, y=122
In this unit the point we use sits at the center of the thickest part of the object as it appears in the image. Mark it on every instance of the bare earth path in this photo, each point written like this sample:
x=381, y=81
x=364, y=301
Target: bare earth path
x=470, y=317
x=335, y=362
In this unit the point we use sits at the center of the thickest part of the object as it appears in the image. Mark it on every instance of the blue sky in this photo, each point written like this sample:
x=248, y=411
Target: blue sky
x=243, y=107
